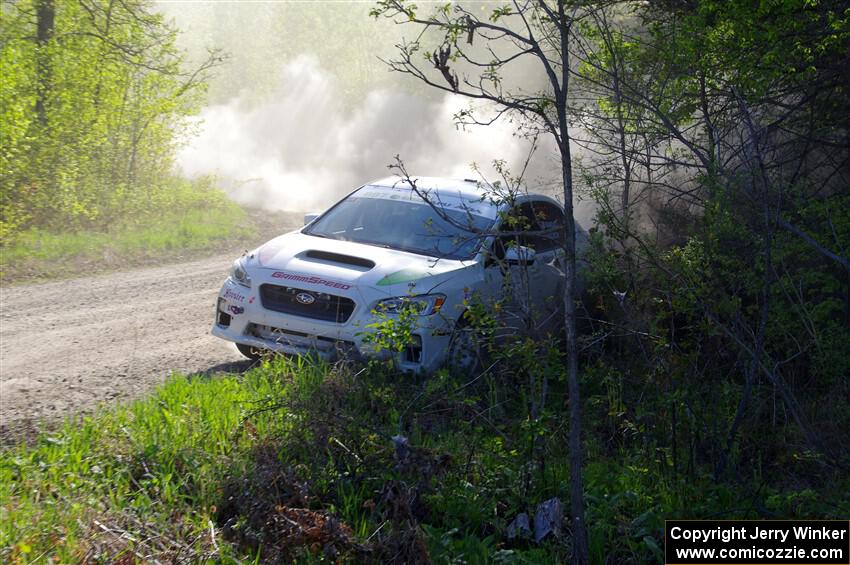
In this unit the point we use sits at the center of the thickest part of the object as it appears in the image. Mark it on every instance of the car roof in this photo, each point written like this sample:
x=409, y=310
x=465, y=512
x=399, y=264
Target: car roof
x=470, y=187
x=438, y=184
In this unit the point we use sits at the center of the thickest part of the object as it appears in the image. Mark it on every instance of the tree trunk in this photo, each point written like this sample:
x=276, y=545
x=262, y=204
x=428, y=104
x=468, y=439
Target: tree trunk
x=45, y=15
x=581, y=551
x=580, y=547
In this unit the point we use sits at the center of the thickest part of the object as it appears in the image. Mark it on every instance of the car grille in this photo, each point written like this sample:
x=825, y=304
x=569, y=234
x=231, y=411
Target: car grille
x=299, y=339
x=325, y=307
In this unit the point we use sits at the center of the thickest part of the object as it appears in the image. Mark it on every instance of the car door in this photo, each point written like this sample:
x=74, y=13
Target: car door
x=527, y=287
x=547, y=283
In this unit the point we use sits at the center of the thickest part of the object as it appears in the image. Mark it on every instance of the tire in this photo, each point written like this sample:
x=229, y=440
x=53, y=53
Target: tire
x=465, y=355
x=249, y=351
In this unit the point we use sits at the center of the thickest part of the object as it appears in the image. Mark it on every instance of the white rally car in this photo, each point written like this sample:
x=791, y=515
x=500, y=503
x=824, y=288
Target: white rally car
x=387, y=245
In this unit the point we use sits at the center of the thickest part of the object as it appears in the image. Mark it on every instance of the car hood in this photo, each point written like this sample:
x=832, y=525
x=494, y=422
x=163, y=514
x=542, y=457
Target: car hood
x=355, y=264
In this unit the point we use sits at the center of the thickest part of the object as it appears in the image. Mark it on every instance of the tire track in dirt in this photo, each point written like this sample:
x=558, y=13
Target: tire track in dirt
x=68, y=346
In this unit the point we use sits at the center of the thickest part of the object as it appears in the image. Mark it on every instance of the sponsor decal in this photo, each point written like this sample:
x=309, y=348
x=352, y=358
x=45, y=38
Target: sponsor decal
x=305, y=298
x=310, y=279
x=236, y=310
x=234, y=296
x=404, y=275
x=251, y=300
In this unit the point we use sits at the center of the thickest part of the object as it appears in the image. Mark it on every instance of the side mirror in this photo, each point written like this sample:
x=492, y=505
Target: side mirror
x=310, y=217
x=519, y=255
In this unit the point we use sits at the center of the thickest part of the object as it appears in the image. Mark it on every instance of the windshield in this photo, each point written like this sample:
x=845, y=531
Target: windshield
x=398, y=218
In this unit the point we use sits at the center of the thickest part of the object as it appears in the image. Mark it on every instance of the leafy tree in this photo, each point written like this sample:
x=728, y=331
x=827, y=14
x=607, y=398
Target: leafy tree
x=715, y=142
x=523, y=32
x=737, y=113
x=93, y=101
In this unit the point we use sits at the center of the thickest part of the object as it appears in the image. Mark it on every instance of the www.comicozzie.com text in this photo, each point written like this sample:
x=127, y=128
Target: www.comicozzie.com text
x=755, y=532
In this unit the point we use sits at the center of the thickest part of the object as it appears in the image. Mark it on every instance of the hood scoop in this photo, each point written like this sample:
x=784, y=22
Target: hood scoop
x=340, y=259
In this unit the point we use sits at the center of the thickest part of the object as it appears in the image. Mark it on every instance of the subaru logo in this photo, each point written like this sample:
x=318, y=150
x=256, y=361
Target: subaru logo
x=305, y=298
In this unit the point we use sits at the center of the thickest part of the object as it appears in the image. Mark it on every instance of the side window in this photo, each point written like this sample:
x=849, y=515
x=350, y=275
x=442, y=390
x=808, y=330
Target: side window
x=532, y=217
x=548, y=219
x=518, y=220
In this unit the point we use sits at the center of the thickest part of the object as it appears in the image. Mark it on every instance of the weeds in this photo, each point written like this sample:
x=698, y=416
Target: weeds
x=191, y=219
x=296, y=461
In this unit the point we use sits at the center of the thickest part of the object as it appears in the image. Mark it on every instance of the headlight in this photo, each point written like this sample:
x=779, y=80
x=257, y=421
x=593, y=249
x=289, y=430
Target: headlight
x=239, y=274
x=425, y=304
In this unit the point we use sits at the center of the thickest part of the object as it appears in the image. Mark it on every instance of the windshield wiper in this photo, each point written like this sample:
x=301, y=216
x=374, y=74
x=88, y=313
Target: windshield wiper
x=322, y=235
x=375, y=243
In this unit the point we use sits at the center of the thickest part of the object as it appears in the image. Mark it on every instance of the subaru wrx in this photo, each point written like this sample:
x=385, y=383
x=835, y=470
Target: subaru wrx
x=435, y=245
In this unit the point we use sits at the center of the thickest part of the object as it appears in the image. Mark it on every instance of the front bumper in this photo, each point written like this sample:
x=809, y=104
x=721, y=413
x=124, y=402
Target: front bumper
x=241, y=318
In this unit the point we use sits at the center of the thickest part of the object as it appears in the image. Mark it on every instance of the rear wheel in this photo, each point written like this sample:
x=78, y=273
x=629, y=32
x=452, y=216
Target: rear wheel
x=249, y=351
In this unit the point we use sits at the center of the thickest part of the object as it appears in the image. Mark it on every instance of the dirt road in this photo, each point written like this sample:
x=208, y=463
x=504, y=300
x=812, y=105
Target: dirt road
x=67, y=346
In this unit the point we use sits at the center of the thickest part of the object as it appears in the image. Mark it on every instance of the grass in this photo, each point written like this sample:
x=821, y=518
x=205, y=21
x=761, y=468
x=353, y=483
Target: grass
x=195, y=218
x=192, y=229
x=167, y=467
x=296, y=461
x=153, y=465
x=49, y=254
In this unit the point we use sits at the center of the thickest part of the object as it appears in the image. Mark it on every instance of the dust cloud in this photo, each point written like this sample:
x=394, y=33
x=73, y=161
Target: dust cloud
x=305, y=147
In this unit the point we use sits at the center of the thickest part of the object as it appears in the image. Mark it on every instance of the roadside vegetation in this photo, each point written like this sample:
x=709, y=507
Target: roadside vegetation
x=197, y=218
x=712, y=136
x=95, y=98
x=298, y=461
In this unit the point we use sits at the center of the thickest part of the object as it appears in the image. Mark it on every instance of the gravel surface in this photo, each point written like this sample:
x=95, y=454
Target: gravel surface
x=68, y=346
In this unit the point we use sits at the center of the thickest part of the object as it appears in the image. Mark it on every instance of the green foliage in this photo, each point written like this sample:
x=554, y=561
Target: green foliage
x=188, y=216
x=179, y=452
x=158, y=461
x=230, y=452
x=392, y=331
x=92, y=109
x=723, y=117
x=692, y=342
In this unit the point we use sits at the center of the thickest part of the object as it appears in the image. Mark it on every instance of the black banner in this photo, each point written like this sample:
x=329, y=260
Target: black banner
x=758, y=542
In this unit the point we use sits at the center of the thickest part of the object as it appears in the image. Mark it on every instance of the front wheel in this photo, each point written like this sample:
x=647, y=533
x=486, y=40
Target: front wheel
x=466, y=351
x=249, y=351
